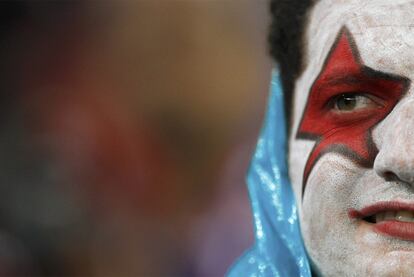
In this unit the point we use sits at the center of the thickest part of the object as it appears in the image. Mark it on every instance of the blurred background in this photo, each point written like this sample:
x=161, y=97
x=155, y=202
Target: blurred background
x=126, y=132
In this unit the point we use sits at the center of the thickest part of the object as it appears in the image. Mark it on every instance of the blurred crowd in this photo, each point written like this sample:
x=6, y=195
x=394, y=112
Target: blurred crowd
x=126, y=132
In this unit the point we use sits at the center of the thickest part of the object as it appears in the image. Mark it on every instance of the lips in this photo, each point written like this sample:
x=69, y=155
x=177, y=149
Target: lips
x=395, y=219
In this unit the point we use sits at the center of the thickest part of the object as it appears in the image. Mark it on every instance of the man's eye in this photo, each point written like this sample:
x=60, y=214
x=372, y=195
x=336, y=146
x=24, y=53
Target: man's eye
x=350, y=102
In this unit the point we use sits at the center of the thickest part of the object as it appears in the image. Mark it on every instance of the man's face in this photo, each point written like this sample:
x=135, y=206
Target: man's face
x=352, y=140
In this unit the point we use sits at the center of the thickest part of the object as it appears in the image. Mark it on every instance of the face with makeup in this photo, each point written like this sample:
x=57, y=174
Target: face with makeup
x=353, y=120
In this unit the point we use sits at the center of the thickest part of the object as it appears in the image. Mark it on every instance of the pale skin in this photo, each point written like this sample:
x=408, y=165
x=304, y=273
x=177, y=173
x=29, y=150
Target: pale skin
x=338, y=245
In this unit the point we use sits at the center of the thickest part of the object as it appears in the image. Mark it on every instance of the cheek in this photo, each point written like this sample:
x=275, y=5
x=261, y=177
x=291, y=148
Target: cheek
x=298, y=151
x=328, y=199
x=328, y=233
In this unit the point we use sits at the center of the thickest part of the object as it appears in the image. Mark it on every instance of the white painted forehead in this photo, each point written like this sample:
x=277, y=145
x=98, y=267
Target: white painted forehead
x=383, y=31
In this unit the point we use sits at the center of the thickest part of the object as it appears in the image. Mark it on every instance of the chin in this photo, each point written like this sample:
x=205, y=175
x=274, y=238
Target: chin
x=364, y=253
x=360, y=262
x=395, y=263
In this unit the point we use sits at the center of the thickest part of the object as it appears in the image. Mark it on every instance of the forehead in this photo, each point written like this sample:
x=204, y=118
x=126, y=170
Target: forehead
x=383, y=31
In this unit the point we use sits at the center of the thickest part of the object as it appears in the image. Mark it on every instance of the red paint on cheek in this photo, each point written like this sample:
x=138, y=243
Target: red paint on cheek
x=347, y=133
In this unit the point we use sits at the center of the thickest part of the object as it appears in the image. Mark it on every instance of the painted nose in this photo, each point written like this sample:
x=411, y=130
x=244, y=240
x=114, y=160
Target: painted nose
x=395, y=159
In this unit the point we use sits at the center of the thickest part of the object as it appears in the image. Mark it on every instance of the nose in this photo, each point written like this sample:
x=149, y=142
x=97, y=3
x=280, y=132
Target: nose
x=395, y=141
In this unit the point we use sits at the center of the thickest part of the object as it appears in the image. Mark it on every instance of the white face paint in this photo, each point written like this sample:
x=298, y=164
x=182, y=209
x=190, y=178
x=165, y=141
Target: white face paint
x=383, y=32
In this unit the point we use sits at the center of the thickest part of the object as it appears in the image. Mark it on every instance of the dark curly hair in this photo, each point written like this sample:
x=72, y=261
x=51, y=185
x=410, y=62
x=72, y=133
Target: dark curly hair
x=286, y=42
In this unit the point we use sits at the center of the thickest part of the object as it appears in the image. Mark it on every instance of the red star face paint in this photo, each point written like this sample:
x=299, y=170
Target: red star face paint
x=346, y=129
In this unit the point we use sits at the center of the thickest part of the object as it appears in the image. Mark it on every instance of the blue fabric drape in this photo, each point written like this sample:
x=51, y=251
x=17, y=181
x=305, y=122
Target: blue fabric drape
x=278, y=248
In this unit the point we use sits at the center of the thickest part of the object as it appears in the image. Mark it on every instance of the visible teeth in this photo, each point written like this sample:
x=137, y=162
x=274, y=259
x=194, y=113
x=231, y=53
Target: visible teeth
x=405, y=216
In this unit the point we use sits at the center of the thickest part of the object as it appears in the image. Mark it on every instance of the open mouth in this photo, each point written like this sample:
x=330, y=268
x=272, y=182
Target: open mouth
x=393, y=219
x=402, y=216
